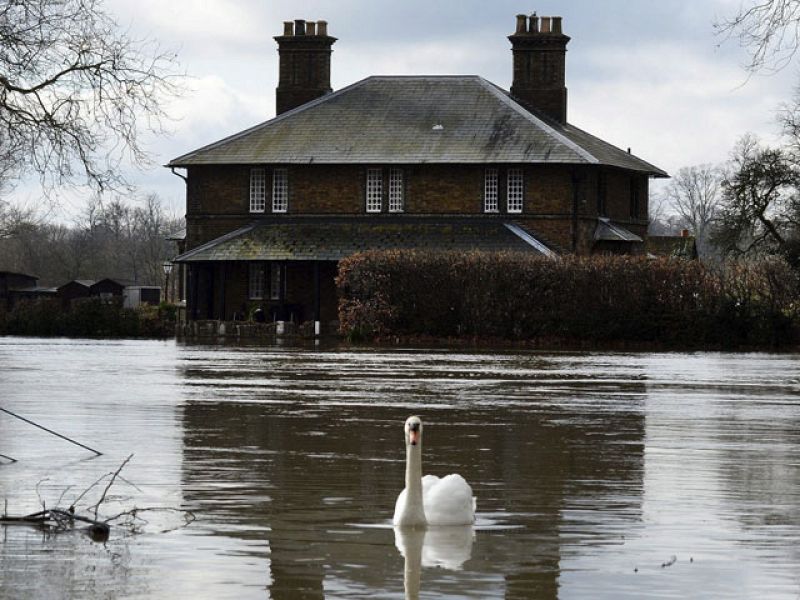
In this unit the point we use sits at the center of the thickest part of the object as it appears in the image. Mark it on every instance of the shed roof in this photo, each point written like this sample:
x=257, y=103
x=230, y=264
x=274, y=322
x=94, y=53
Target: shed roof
x=85, y=283
x=334, y=238
x=410, y=120
x=671, y=245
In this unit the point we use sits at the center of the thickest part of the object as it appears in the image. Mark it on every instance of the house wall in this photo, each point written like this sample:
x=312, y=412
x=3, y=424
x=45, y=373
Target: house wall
x=218, y=197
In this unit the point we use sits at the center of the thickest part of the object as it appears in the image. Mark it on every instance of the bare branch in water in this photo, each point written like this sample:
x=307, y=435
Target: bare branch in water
x=59, y=520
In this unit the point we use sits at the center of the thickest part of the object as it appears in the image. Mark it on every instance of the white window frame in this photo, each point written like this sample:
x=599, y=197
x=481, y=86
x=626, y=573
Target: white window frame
x=258, y=190
x=275, y=281
x=374, y=190
x=491, y=191
x=256, y=281
x=515, y=191
x=396, y=190
x=280, y=191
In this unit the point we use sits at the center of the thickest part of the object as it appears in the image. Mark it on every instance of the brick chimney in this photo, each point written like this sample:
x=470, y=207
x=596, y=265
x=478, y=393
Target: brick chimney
x=305, y=63
x=540, y=52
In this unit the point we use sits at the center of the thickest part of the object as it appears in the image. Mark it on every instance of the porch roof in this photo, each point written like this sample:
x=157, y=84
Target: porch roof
x=334, y=238
x=608, y=231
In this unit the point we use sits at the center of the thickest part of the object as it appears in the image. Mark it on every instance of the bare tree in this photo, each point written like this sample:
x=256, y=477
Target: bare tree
x=760, y=209
x=768, y=29
x=694, y=192
x=76, y=92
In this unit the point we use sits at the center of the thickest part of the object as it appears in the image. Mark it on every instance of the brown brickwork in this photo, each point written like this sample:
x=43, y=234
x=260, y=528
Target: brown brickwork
x=218, y=197
x=540, y=49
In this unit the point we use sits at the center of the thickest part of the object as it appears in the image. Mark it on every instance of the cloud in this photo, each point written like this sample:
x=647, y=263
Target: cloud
x=685, y=109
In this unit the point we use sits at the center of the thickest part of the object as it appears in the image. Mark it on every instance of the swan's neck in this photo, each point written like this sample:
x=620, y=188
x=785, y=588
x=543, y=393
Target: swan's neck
x=414, y=503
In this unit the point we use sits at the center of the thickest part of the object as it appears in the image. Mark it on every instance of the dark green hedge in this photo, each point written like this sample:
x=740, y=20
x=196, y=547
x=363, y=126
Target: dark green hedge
x=86, y=318
x=517, y=296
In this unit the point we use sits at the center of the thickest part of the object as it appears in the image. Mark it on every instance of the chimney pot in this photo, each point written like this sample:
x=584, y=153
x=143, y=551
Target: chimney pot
x=545, y=28
x=557, y=25
x=299, y=27
x=311, y=28
x=322, y=28
x=533, y=27
x=288, y=28
x=522, y=24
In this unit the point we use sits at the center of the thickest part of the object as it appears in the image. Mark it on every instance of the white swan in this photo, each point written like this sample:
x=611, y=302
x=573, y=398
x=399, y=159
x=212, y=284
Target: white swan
x=429, y=500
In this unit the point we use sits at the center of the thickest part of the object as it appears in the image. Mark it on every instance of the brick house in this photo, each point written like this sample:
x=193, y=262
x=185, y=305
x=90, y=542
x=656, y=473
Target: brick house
x=430, y=162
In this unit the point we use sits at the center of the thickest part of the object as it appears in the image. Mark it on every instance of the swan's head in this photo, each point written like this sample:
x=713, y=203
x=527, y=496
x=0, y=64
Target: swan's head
x=413, y=430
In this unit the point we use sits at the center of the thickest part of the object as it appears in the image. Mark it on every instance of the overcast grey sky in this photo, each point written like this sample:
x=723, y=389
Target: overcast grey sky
x=645, y=74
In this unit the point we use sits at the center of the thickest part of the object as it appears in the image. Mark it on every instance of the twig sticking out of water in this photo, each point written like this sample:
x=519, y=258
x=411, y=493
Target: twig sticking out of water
x=59, y=520
x=110, y=483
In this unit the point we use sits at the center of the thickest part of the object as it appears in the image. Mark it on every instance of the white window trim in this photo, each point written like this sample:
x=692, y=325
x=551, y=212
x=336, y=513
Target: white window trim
x=396, y=190
x=374, y=190
x=515, y=191
x=280, y=191
x=491, y=191
x=258, y=190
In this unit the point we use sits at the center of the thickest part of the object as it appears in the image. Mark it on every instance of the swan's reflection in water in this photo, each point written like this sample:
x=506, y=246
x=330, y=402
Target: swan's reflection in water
x=443, y=547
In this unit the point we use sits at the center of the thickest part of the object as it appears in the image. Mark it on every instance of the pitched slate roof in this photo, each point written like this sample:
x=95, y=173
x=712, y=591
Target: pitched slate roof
x=334, y=238
x=411, y=120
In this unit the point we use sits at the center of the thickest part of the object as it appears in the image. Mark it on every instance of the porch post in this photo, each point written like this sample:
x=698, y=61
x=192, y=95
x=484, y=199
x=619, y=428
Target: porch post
x=282, y=290
x=209, y=270
x=222, y=274
x=317, y=322
x=193, y=295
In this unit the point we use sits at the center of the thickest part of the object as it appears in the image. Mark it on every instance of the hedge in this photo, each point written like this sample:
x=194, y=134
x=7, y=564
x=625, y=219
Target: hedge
x=91, y=317
x=517, y=296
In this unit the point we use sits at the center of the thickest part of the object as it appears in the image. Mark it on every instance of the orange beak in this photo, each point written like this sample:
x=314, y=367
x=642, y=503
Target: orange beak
x=413, y=437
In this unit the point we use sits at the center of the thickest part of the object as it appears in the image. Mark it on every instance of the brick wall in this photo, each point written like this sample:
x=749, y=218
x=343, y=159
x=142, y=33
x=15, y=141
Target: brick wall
x=218, y=197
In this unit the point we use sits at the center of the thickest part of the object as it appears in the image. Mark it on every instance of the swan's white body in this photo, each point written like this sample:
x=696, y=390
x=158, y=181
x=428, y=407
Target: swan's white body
x=430, y=500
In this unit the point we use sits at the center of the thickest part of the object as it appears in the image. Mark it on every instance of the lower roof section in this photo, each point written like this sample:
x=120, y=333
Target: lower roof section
x=608, y=231
x=334, y=238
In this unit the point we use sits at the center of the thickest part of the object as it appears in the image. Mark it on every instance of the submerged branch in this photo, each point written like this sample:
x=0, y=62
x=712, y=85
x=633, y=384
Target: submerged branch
x=60, y=520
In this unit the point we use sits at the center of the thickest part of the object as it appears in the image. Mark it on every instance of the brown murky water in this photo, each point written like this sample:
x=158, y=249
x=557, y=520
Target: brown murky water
x=591, y=472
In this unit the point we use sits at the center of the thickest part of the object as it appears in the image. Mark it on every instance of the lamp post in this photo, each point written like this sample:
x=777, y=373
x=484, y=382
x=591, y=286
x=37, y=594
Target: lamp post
x=167, y=266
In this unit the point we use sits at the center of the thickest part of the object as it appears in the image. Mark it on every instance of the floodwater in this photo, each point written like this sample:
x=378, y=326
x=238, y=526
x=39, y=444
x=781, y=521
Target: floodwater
x=597, y=475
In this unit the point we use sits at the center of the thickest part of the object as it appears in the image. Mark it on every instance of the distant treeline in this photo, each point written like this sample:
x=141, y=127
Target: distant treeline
x=514, y=296
x=122, y=239
x=89, y=317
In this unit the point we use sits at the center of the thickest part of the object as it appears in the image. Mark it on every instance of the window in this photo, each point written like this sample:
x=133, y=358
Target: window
x=395, y=190
x=490, y=192
x=274, y=281
x=635, y=205
x=515, y=189
x=374, y=190
x=280, y=191
x=256, y=288
x=258, y=190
